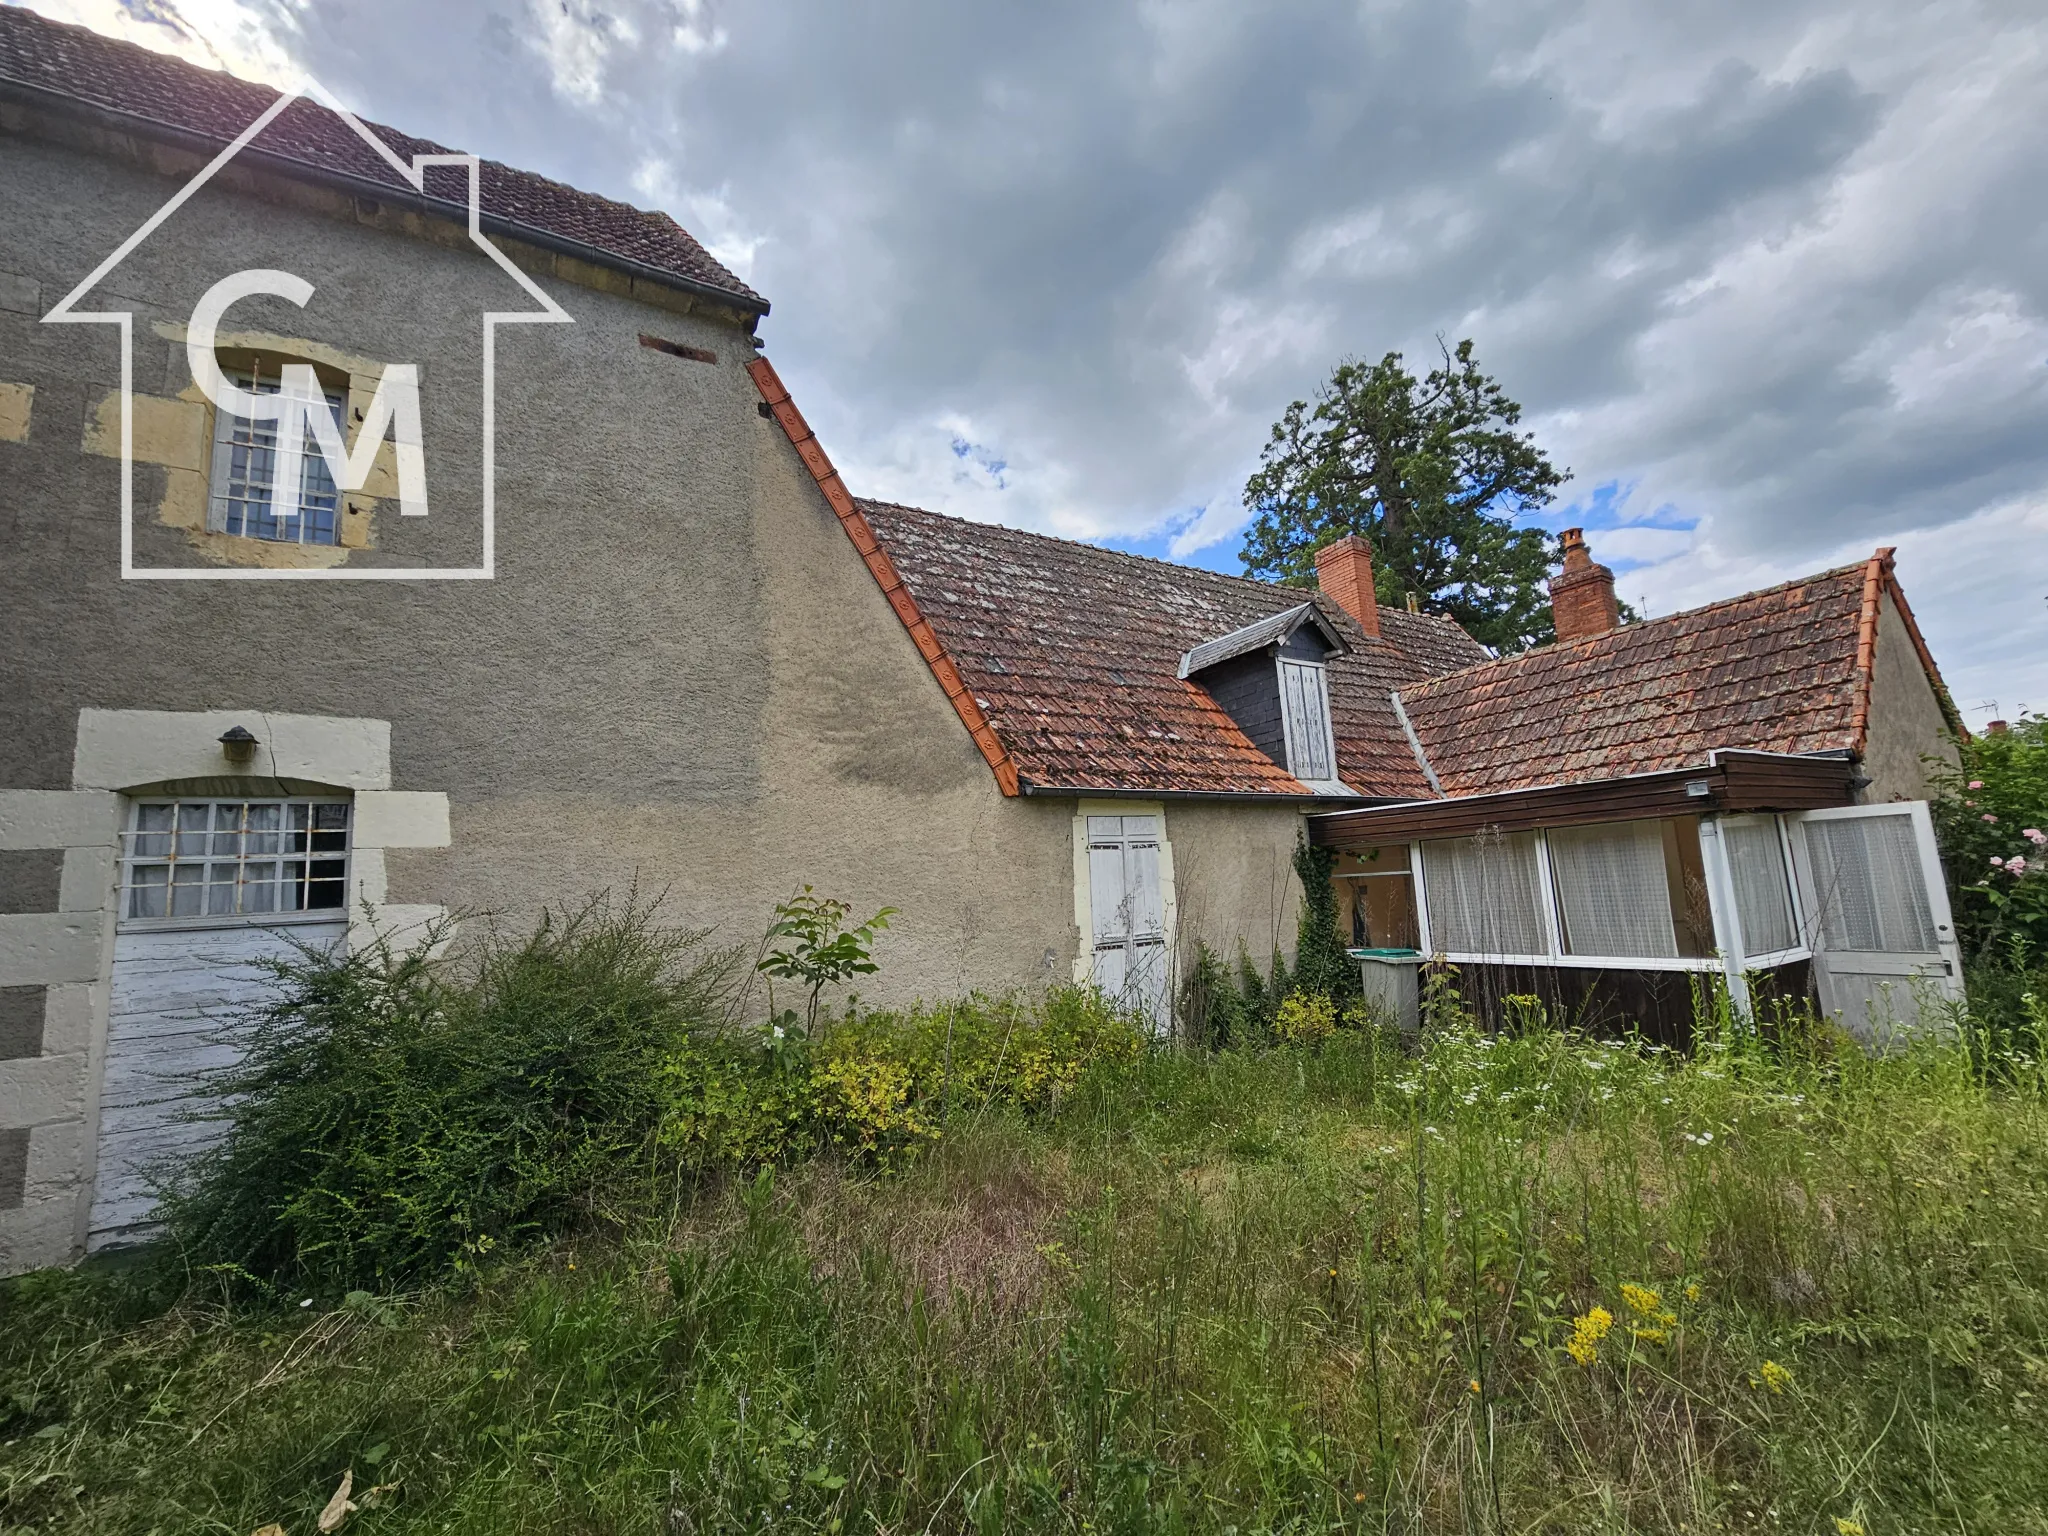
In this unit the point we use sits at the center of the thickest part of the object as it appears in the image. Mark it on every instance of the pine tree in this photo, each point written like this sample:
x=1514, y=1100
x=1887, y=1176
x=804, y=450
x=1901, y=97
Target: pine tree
x=1433, y=474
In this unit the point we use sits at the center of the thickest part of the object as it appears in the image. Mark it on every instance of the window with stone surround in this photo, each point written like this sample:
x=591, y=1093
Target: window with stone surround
x=246, y=499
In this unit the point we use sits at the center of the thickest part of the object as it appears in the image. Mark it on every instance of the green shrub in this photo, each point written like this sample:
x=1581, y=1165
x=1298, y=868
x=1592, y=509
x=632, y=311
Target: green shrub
x=1321, y=962
x=888, y=1076
x=393, y=1115
x=1211, y=1010
x=1305, y=1018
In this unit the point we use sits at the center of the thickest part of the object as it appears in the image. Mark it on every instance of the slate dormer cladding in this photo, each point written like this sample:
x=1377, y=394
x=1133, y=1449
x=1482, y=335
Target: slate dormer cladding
x=1241, y=671
x=1248, y=689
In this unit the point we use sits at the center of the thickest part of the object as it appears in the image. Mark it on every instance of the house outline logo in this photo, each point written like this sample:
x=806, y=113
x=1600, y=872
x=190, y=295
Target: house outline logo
x=415, y=175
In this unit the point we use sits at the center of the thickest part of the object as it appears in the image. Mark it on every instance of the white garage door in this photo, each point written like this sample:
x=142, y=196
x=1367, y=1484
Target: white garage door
x=210, y=888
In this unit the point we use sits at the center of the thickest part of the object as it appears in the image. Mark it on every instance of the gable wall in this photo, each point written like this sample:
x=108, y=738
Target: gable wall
x=1906, y=723
x=682, y=680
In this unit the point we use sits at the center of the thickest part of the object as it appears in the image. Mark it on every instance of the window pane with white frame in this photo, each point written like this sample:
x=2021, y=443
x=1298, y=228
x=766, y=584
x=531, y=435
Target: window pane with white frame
x=1485, y=895
x=224, y=859
x=1762, y=883
x=246, y=499
x=1866, y=874
x=1613, y=890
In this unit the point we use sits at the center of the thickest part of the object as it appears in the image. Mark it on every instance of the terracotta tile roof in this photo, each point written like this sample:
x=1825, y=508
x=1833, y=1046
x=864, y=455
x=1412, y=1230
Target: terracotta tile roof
x=71, y=62
x=1073, y=652
x=1784, y=670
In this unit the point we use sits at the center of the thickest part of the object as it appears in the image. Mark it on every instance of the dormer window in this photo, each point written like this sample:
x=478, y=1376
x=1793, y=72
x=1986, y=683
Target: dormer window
x=1271, y=678
x=1305, y=717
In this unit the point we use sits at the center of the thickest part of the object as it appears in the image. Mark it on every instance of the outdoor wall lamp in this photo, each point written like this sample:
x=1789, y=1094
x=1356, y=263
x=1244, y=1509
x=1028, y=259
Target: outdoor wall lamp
x=237, y=745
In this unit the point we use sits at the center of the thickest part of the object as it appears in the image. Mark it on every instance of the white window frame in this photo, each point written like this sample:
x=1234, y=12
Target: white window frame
x=225, y=423
x=1295, y=731
x=1720, y=900
x=129, y=859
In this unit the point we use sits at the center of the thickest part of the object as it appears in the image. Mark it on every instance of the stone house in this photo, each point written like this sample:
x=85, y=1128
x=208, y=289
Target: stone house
x=644, y=638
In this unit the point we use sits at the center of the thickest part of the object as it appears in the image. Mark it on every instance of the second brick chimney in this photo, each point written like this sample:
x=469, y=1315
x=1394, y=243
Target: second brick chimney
x=1344, y=573
x=1582, y=594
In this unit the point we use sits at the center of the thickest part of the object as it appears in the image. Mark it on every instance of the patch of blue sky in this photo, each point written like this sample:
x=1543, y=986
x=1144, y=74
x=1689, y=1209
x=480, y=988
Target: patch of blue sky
x=977, y=458
x=1224, y=555
x=1607, y=508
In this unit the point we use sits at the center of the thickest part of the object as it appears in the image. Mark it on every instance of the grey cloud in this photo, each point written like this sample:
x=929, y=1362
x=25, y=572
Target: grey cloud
x=1710, y=248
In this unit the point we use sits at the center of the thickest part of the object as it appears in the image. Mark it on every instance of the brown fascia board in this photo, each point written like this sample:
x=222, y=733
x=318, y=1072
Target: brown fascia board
x=883, y=569
x=1740, y=780
x=111, y=120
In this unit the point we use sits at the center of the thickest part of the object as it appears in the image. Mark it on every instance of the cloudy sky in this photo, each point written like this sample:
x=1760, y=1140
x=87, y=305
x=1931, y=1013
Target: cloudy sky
x=1770, y=276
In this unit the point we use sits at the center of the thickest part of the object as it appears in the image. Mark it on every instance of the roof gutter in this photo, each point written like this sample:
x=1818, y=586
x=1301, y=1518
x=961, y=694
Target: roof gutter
x=363, y=186
x=1236, y=796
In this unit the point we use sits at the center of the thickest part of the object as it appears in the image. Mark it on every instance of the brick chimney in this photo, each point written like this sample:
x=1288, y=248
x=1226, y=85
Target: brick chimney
x=1344, y=573
x=1582, y=594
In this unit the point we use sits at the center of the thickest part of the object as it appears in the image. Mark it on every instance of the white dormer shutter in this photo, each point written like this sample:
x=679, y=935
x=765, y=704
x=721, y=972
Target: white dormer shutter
x=1305, y=717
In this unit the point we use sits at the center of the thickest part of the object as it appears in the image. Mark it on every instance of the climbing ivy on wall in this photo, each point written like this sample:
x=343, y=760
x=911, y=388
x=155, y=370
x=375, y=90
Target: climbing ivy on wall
x=1320, y=963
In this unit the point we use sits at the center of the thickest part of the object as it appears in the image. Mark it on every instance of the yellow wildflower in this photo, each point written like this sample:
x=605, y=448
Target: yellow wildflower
x=1587, y=1332
x=1848, y=1527
x=1692, y=1292
x=1652, y=1335
x=1475, y=1384
x=1641, y=1300
x=1774, y=1376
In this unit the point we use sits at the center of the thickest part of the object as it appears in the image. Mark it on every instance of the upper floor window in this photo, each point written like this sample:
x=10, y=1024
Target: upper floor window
x=246, y=498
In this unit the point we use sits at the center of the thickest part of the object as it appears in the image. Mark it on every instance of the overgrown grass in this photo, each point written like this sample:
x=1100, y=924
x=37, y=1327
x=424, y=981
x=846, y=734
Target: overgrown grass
x=1298, y=1290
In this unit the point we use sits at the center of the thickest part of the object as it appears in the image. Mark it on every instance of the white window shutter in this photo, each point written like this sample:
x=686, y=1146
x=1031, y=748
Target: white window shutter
x=1107, y=899
x=1141, y=874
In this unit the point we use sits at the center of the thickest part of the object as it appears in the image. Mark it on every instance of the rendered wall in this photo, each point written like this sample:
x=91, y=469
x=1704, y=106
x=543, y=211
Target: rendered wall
x=1906, y=722
x=682, y=680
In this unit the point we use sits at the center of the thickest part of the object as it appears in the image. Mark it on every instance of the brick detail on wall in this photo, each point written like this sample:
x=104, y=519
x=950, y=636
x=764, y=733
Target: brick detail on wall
x=21, y=1022
x=30, y=879
x=13, y=1168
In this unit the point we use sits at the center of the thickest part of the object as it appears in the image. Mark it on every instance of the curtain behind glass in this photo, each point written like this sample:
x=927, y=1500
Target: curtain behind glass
x=1484, y=895
x=1763, y=901
x=1613, y=894
x=1866, y=873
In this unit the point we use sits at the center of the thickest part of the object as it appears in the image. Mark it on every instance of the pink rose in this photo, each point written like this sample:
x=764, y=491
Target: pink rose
x=1976, y=783
x=1989, y=817
x=2034, y=835
x=1997, y=862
